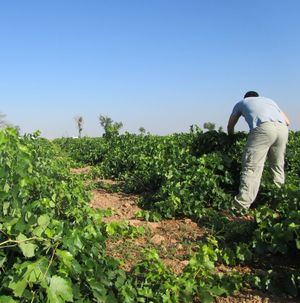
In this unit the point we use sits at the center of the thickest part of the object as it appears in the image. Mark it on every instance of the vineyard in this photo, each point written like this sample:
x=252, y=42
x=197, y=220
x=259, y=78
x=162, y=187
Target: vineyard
x=55, y=247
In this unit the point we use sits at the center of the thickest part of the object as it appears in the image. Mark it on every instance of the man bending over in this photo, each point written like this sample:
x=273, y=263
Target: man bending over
x=268, y=137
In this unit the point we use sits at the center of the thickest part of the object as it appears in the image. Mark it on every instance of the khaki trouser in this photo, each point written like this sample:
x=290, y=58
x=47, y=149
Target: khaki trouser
x=268, y=139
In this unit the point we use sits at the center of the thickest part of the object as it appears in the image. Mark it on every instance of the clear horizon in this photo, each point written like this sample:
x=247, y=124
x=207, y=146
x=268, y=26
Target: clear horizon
x=159, y=65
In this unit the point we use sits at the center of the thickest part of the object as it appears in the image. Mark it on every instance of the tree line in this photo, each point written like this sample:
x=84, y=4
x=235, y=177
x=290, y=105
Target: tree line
x=112, y=128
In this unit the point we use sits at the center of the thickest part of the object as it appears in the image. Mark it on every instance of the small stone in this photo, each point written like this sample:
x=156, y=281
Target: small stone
x=185, y=262
x=157, y=240
x=126, y=205
x=153, y=225
x=134, y=222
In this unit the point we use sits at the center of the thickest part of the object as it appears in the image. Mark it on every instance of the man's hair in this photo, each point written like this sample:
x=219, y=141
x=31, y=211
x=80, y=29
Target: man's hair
x=251, y=94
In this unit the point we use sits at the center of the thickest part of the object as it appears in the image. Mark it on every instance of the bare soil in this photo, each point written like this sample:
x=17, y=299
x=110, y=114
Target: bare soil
x=81, y=170
x=251, y=296
x=175, y=240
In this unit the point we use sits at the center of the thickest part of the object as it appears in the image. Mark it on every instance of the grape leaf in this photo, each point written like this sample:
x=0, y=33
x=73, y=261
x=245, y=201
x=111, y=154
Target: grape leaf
x=59, y=291
x=26, y=247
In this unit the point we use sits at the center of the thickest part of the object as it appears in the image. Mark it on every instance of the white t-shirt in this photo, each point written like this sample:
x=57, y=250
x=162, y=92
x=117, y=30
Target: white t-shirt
x=257, y=110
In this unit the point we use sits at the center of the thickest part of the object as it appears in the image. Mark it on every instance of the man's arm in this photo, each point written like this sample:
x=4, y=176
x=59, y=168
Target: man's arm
x=287, y=120
x=231, y=123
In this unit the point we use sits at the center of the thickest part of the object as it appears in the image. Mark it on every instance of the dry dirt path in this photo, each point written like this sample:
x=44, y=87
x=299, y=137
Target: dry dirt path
x=175, y=240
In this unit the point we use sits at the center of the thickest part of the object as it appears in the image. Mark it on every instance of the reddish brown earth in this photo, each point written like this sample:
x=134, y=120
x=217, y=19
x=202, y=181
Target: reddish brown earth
x=251, y=296
x=81, y=170
x=174, y=240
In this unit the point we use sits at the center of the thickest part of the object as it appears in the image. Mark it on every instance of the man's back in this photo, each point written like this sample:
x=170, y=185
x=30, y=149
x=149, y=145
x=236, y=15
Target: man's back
x=257, y=110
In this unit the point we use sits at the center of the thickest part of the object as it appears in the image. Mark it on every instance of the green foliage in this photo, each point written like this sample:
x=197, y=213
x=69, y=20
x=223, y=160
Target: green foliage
x=196, y=175
x=52, y=245
x=111, y=128
x=151, y=216
x=152, y=281
x=84, y=151
x=209, y=126
x=123, y=229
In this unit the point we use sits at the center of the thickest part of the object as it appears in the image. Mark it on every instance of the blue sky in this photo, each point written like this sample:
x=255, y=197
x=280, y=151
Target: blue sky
x=163, y=65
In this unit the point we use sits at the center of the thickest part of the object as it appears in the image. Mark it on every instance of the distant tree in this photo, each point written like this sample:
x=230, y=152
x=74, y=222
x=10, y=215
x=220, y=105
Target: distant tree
x=209, y=126
x=3, y=123
x=142, y=130
x=110, y=127
x=79, y=124
x=220, y=130
x=195, y=129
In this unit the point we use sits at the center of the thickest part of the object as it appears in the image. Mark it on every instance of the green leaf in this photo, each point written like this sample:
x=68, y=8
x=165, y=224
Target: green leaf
x=110, y=229
x=98, y=289
x=6, y=188
x=218, y=291
x=44, y=220
x=66, y=257
x=26, y=247
x=3, y=259
x=7, y=299
x=206, y=297
x=59, y=291
x=18, y=287
x=33, y=274
x=23, y=183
